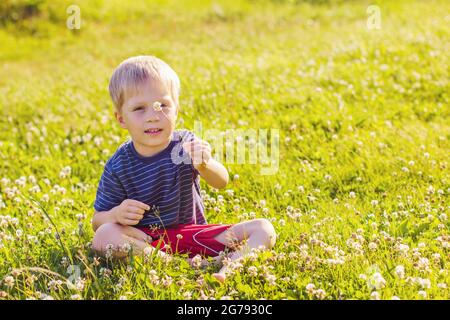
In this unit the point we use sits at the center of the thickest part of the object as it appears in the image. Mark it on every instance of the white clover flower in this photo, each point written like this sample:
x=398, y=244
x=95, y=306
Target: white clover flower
x=126, y=247
x=423, y=283
x=157, y=106
x=75, y=297
x=400, y=271
x=375, y=296
x=98, y=141
x=236, y=266
x=154, y=278
x=167, y=281
x=52, y=285
x=436, y=257
x=229, y=192
x=166, y=258
x=148, y=251
x=377, y=281
x=21, y=181
x=34, y=189
x=9, y=281
x=252, y=271
x=109, y=251
x=310, y=288
x=422, y=294
x=423, y=264
x=79, y=285
x=65, y=172
x=352, y=195
x=395, y=298
x=197, y=261
x=271, y=279
x=320, y=294
x=403, y=248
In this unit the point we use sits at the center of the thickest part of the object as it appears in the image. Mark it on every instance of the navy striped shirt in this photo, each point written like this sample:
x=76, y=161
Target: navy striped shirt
x=171, y=188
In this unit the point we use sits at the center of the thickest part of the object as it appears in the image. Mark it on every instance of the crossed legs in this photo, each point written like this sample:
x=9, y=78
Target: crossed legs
x=253, y=234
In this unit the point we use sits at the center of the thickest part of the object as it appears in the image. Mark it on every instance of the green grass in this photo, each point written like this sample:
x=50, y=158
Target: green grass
x=362, y=111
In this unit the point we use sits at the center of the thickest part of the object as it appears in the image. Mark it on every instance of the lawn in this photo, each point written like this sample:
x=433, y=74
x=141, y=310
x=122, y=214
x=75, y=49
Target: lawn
x=360, y=200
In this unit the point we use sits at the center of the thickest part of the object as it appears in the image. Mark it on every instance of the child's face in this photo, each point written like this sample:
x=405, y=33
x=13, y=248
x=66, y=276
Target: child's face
x=139, y=114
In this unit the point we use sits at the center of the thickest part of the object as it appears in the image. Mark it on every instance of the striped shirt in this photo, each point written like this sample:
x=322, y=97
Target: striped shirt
x=171, y=188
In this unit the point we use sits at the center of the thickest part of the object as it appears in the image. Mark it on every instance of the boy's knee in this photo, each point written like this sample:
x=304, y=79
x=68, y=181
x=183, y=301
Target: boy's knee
x=266, y=227
x=104, y=236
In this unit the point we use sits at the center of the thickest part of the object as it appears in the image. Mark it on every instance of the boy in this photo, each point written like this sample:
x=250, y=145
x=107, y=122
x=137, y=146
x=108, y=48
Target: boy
x=148, y=199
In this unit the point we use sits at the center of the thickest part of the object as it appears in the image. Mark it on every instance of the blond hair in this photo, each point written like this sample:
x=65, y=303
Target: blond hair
x=135, y=71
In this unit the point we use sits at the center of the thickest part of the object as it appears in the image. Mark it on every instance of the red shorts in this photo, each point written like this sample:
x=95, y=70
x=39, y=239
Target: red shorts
x=195, y=239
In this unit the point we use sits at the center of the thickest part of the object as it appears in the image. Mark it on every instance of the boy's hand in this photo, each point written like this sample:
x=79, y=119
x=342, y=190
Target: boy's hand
x=130, y=212
x=199, y=151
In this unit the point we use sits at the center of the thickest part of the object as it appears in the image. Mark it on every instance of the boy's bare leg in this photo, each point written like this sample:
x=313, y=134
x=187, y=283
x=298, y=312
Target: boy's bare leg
x=257, y=233
x=119, y=235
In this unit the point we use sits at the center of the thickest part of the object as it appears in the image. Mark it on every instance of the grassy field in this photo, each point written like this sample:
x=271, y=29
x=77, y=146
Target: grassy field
x=361, y=198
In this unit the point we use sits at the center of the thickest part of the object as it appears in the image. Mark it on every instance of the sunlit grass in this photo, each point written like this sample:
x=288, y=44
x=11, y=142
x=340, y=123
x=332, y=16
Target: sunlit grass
x=360, y=201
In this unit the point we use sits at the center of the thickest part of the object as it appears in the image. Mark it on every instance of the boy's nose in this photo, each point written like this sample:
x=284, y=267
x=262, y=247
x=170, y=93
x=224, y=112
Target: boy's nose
x=152, y=115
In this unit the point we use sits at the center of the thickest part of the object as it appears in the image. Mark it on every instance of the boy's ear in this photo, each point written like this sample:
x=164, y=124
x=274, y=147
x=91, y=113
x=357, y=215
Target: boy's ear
x=119, y=118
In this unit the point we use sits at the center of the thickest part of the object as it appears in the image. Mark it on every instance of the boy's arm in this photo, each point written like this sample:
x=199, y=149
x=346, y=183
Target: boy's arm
x=128, y=213
x=214, y=173
x=102, y=217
